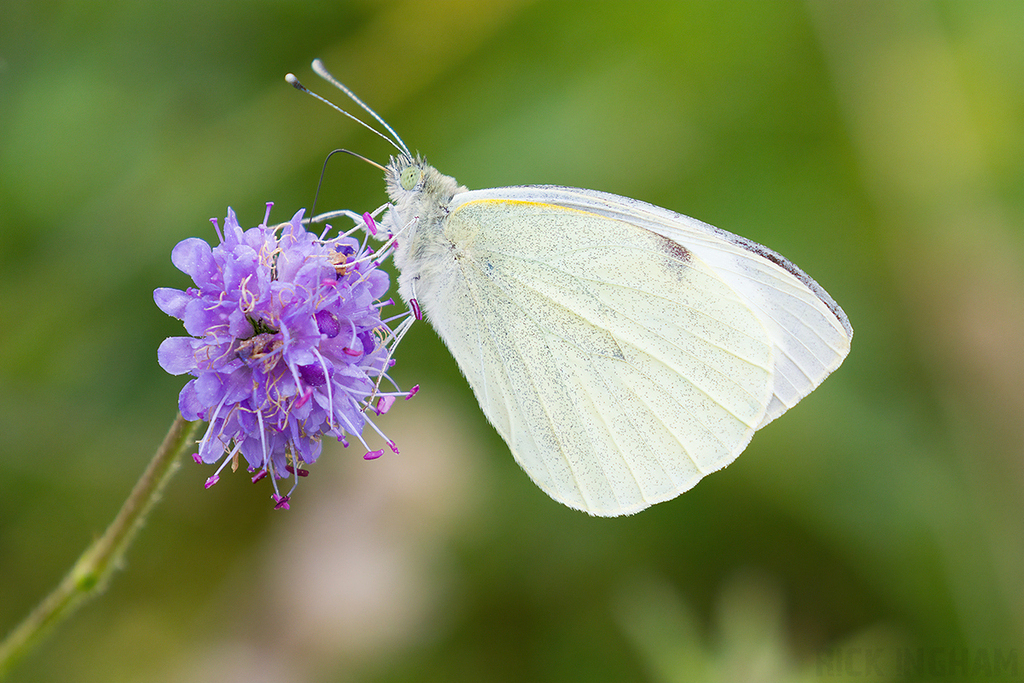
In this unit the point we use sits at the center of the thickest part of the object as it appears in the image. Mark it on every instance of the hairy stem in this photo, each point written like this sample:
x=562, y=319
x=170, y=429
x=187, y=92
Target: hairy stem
x=92, y=571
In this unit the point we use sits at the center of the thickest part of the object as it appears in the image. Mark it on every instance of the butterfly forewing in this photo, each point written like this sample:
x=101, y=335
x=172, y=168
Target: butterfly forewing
x=809, y=330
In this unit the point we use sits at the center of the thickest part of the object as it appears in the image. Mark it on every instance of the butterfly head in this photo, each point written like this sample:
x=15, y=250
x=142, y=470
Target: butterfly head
x=419, y=193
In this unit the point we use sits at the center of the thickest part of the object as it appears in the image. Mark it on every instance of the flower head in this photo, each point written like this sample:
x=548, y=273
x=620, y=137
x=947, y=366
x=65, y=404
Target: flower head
x=287, y=344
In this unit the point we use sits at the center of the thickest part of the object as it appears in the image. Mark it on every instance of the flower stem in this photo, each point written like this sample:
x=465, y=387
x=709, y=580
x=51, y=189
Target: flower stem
x=92, y=571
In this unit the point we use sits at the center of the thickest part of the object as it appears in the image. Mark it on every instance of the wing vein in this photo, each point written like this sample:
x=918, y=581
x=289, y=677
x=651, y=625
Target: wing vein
x=518, y=398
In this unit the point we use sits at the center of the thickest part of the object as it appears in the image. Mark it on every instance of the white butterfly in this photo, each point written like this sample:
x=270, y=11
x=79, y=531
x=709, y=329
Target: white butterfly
x=622, y=351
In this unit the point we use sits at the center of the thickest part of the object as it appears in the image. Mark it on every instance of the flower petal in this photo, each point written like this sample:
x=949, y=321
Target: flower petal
x=176, y=355
x=194, y=257
x=191, y=407
x=171, y=301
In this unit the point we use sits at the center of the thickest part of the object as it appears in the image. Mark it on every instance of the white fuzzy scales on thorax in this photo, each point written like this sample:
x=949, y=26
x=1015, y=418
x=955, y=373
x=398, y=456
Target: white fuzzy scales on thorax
x=420, y=198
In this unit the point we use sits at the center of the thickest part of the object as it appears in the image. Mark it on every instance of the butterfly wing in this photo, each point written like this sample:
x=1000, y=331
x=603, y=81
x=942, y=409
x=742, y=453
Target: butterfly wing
x=810, y=333
x=616, y=362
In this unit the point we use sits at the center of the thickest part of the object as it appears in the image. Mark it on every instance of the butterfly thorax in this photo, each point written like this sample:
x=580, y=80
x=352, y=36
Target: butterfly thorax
x=420, y=200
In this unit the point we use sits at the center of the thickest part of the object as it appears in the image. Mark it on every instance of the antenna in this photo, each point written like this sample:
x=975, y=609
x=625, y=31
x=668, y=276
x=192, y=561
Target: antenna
x=323, y=171
x=323, y=73
x=318, y=66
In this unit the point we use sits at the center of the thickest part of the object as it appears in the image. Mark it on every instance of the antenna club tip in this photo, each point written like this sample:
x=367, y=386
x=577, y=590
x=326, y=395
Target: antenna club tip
x=320, y=70
x=293, y=81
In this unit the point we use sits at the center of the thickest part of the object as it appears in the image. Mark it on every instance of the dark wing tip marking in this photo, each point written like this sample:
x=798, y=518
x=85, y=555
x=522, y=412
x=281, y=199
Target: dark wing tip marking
x=791, y=268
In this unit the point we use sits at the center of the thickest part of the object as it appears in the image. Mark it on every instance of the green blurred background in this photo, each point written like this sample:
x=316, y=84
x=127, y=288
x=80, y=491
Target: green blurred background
x=878, y=145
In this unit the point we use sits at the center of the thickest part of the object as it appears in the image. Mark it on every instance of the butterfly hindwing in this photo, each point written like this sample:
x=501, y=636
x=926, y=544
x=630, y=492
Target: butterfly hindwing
x=616, y=364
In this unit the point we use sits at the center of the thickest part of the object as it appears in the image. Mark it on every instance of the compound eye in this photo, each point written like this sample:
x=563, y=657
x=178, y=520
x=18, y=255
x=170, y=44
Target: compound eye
x=409, y=178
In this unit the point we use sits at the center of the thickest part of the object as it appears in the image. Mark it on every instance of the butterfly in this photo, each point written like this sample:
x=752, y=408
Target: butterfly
x=623, y=351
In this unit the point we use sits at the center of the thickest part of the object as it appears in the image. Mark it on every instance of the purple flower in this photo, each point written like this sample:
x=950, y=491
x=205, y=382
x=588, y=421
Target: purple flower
x=287, y=344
